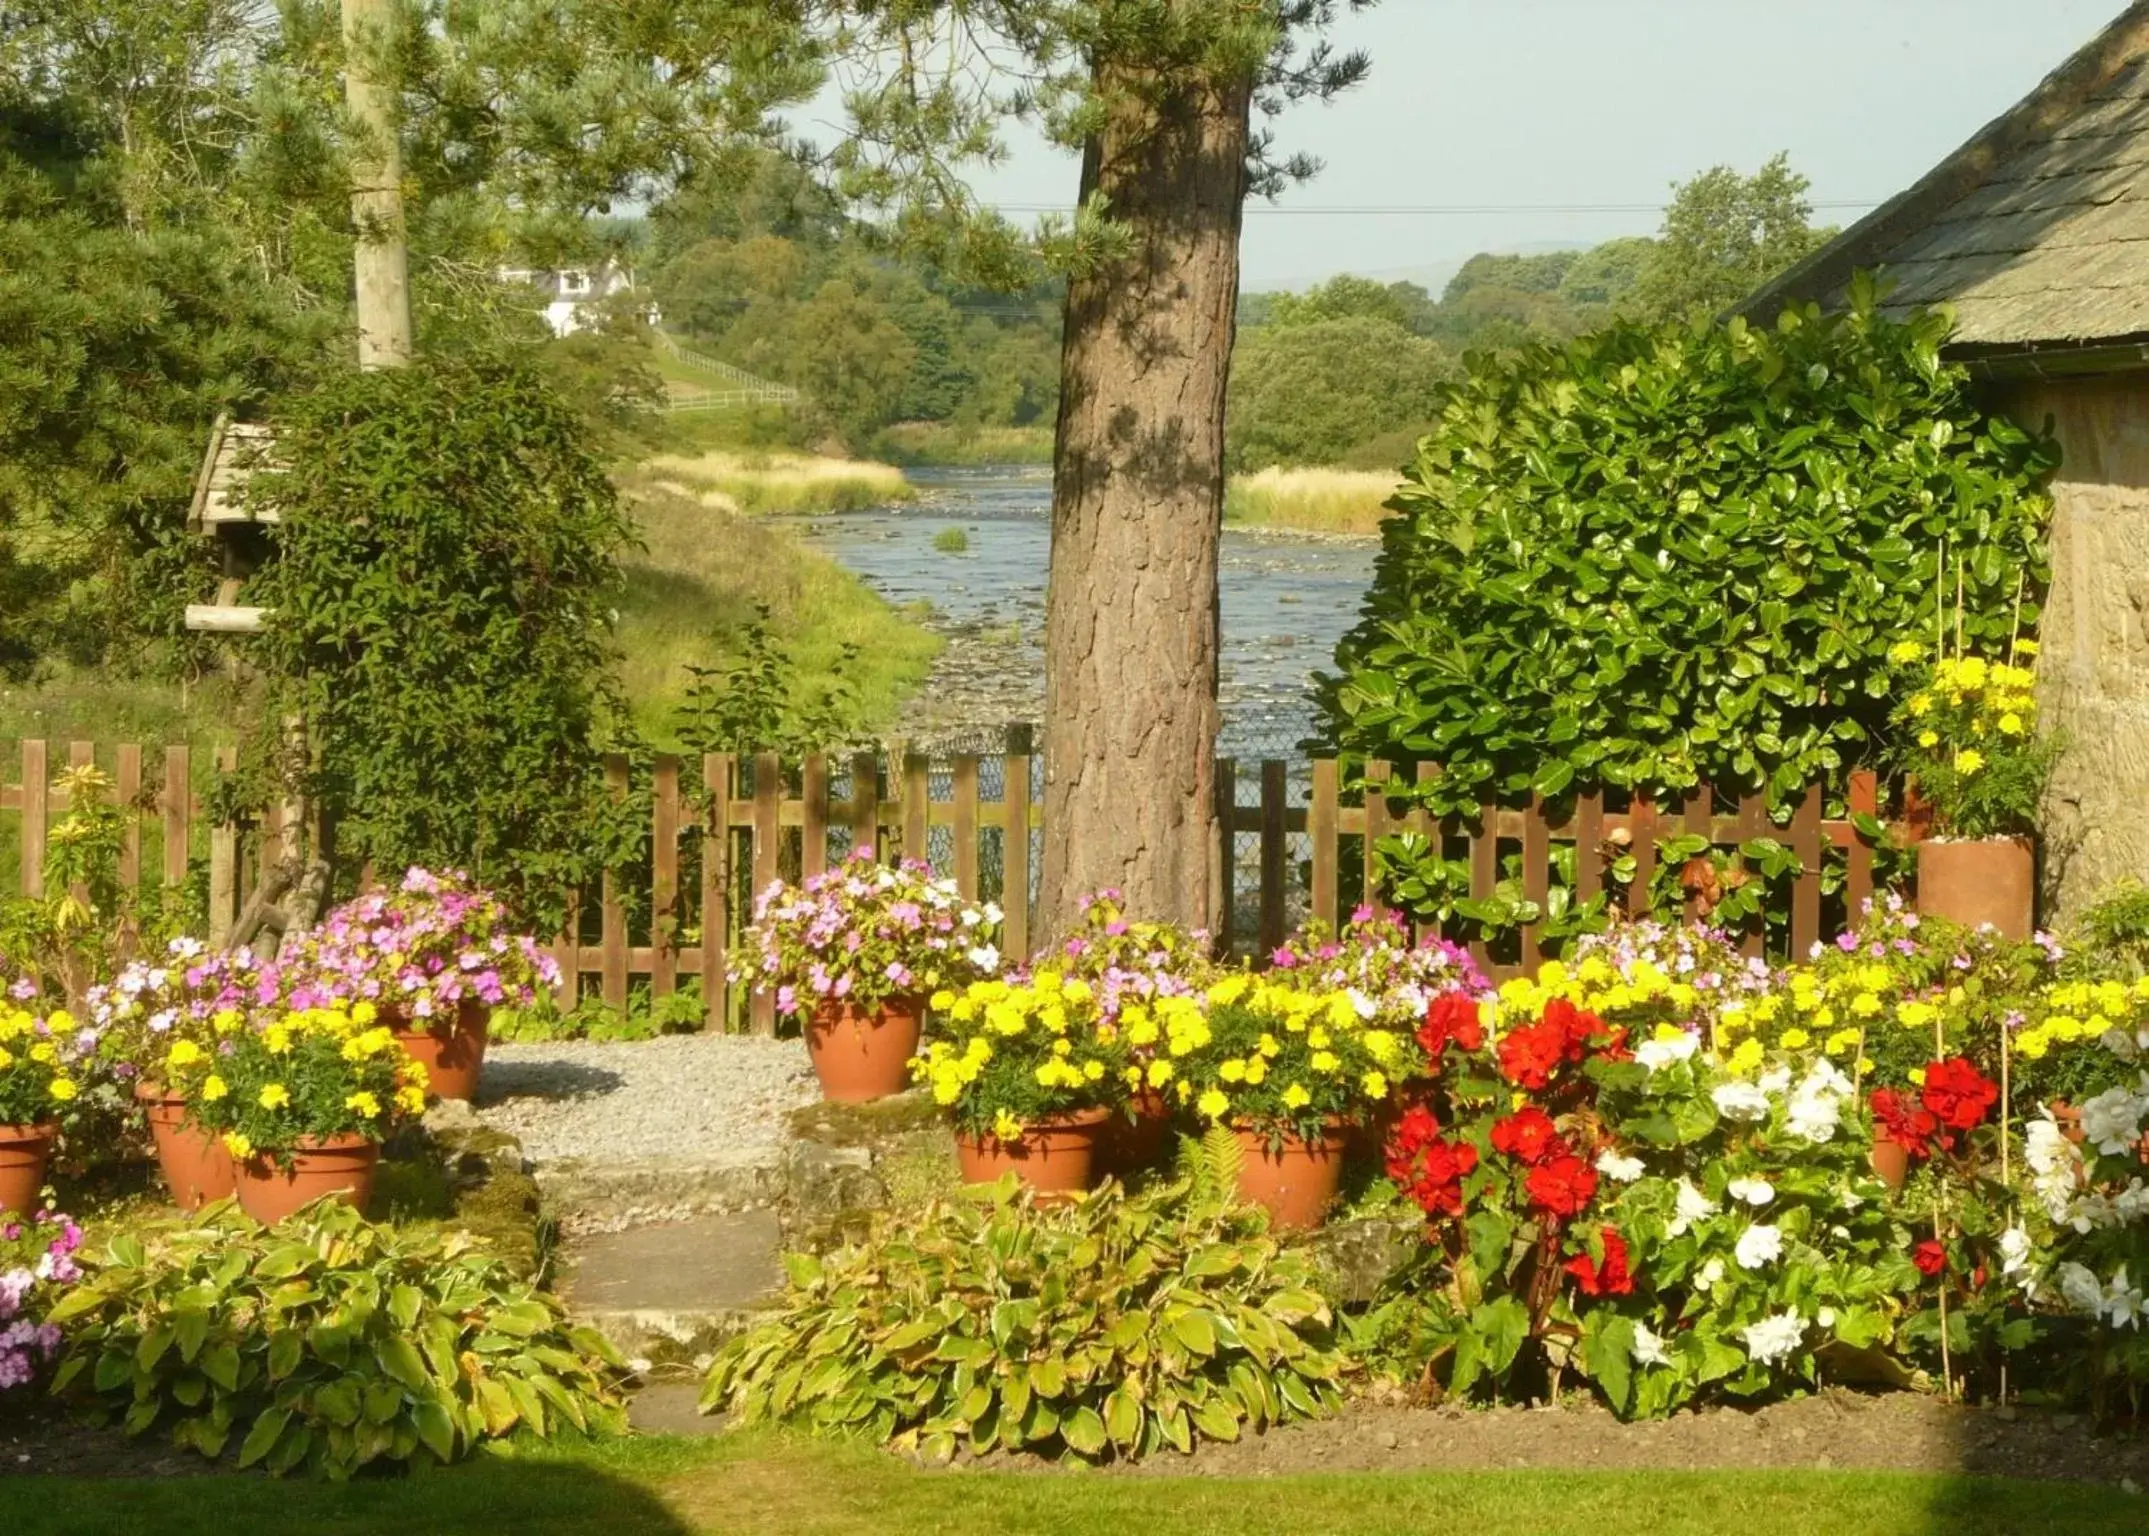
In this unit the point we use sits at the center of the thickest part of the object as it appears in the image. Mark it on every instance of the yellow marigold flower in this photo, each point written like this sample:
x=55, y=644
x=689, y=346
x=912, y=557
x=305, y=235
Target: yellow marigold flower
x=1968, y=761
x=1374, y=1085
x=1006, y=1126
x=1921, y=704
x=2032, y=1044
x=947, y=1089
x=1214, y=1104
x=45, y=1051
x=238, y=1146
x=2011, y=724
x=276, y=1039
x=1745, y=1058
x=1093, y=1070
x=62, y=1089
x=410, y=1099
x=364, y=1104
x=1842, y=1040
x=274, y=1096
x=1795, y=1040
x=1904, y=652
x=1928, y=738
x=1160, y=1073
x=213, y=1088
x=1232, y=1071
x=227, y=1021
x=1268, y=1046
x=1326, y=1061
x=1257, y=1070
x=1230, y=989
x=184, y=1053
x=2025, y=647
x=1296, y=1097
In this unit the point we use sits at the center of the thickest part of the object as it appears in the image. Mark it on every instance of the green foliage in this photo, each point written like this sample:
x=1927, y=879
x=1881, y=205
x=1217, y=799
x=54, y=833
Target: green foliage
x=449, y=650
x=2115, y=928
x=646, y=1016
x=324, y=1344
x=951, y=541
x=1345, y=297
x=1117, y=1325
x=1724, y=236
x=1308, y=391
x=1967, y=736
x=759, y=702
x=1659, y=557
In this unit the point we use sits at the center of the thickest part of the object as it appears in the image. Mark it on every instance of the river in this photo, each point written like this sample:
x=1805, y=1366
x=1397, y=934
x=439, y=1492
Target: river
x=1286, y=600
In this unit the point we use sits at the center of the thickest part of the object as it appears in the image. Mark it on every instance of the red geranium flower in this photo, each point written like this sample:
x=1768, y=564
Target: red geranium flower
x=1425, y=1166
x=1612, y=1277
x=1530, y=1055
x=1529, y=1136
x=1561, y=1187
x=1452, y=1018
x=1958, y=1095
x=1907, y=1125
x=1931, y=1257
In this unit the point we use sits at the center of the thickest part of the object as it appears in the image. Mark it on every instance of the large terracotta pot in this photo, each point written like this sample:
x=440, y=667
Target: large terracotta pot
x=1891, y=1160
x=24, y=1151
x=1983, y=880
x=861, y=1054
x=452, y=1051
x=1295, y=1181
x=196, y=1167
x=1136, y=1138
x=1054, y=1156
x=326, y=1165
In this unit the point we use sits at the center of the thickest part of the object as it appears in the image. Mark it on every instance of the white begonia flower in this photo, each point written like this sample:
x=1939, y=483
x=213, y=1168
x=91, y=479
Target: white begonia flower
x=1657, y=1054
x=1775, y=1082
x=2078, y=1287
x=1364, y=1006
x=1623, y=1170
x=985, y=958
x=2053, y=1161
x=1740, y=1101
x=2122, y=1304
x=1759, y=1244
x=2015, y=1250
x=993, y=914
x=2130, y=1204
x=2112, y=1121
x=1826, y=1317
x=1774, y=1338
x=1708, y=1276
x=1694, y=1206
x=1648, y=1348
x=1755, y=1192
x=2121, y=1044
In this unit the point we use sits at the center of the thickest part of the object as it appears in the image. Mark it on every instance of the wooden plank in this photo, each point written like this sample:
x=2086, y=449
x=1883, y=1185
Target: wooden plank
x=1858, y=887
x=1806, y=893
x=865, y=804
x=716, y=853
x=81, y=754
x=1589, y=846
x=813, y=833
x=768, y=792
x=177, y=802
x=223, y=862
x=1698, y=819
x=35, y=790
x=128, y=790
x=612, y=915
x=1484, y=868
x=272, y=841
x=1753, y=823
x=917, y=806
x=966, y=773
x=664, y=878
x=1435, y=829
x=1015, y=844
x=1227, y=885
x=1275, y=788
x=567, y=955
x=1536, y=876
x=1377, y=827
x=1642, y=830
x=1321, y=824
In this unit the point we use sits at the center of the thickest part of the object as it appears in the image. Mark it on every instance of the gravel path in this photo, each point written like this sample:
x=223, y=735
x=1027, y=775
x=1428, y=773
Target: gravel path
x=694, y=1097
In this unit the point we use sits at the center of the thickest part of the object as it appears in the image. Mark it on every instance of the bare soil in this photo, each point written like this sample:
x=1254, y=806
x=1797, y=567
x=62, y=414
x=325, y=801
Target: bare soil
x=38, y=1439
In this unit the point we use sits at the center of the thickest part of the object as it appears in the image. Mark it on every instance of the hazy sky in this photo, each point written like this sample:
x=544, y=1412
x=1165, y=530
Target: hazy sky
x=1510, y=105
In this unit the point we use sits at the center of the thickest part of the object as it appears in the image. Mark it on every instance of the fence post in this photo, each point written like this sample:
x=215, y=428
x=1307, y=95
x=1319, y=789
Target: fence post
x=36, y=790
x=1274, y=847
x=813, y=818
x=1858, y=889
x=664, y=879
x=716, y=841
x=1753, y=821
x=1642, y=830
x=1321, y=830
x=1484, y=871
x=613, y=915
x=1806, y=894
x=1536, y=874
x=1377, y=776
x=223, y=862
x=128, y=790
x=1227, y=830
x=178, y=804
x=1588, y=846
x=1015, y=844
x=865, y=804
x=768, y=804
x=965, y=824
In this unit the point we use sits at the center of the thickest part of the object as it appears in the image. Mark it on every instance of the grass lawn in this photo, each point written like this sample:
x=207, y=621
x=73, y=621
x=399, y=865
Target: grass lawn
x=783, y=1487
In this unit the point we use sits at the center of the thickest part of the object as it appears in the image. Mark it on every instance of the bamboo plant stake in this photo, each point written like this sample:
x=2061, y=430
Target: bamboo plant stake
x=1947, y=1367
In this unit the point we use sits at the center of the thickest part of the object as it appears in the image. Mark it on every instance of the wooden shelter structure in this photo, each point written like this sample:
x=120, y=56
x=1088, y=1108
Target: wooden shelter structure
x=2036, y=234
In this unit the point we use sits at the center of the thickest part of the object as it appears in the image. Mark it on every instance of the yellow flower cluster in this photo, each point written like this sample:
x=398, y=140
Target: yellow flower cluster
x=2076, y=1012
x=1047, y=1030
x=1266, y=1045
x=1968, y=705
x=1636, y=994
x=24, y=1048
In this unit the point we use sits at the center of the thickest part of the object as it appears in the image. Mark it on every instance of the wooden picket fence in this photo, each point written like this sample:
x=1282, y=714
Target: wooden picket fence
x=748, y=822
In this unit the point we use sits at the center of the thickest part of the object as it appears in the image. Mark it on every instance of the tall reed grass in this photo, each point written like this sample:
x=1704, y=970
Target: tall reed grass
x=753, y=482
x=1313, y=500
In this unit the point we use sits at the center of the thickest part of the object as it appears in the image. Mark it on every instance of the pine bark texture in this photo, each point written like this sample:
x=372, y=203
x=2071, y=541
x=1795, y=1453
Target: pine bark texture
x=1131, y=628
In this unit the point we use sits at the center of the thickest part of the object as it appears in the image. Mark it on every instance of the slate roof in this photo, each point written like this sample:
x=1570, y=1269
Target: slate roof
x=2036, y=231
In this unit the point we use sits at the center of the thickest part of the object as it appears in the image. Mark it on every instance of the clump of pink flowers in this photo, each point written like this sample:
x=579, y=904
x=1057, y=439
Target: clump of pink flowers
x=1701, y=957
x=422, y=949
x=1391, y=980
x=863, y=933
x=36, y=1262
x=1128, y=961
x=154, y=1002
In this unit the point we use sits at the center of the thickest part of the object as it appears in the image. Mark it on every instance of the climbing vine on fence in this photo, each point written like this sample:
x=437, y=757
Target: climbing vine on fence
x=1662, y=556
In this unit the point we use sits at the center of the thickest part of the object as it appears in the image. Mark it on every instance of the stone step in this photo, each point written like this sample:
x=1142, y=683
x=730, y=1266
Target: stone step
x=593, y=1195
x=670, y=1294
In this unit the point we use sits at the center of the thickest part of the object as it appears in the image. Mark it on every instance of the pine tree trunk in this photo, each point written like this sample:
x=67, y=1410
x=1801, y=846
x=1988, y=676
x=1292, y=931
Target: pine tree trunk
x=1138, y=485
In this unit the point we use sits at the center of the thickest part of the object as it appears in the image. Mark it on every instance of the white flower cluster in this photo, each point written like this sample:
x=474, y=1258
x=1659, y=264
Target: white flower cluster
x=1774, y=1338
x=2055, y=1165
x=2112, y=1121
x=2119, y=1303
x=1813, y=1107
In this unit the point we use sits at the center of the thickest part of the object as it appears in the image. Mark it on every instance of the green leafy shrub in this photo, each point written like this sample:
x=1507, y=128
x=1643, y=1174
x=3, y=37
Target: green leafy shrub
x=449, y=651
x=327, y=1343
x=1658, y=557
x=1114, y=1325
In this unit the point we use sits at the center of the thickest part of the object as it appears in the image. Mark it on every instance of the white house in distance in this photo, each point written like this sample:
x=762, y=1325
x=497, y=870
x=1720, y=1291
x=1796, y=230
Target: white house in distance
x=567, y=291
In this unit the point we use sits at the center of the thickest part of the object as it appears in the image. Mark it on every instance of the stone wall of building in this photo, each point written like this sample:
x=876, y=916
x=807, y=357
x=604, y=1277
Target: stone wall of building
x=2093, y=673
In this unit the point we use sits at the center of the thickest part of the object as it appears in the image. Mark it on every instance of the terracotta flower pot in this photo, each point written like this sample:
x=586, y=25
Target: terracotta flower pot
x=1296, y=1181
x=861, y=1054
x=1891, y=1160
x=326, y=1165
x=196, y=1167
x=1985, y=880
x=452, y=1051
x=1135, y=1139
x=1054, y=1156
x=24, y=1151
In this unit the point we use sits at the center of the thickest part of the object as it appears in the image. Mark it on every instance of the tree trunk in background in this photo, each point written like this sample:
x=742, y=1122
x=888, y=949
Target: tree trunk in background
x=1138, y=486
x=382, y=264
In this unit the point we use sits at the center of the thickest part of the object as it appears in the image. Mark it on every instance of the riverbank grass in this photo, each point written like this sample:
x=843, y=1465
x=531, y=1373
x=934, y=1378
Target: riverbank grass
x=916, y=444
x=770, y=482
x=1309, y=500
